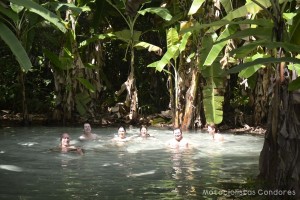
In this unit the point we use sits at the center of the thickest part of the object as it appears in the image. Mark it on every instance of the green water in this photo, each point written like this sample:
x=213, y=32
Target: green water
x=140, y=169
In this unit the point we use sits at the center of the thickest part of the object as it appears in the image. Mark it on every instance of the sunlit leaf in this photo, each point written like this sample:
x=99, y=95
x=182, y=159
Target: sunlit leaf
x=249, y=71
x=162, y=12
x=195, y=6
x=87, y=84
x=43, y=12
x=15, y=46
x=261, y=61
x=217, y=48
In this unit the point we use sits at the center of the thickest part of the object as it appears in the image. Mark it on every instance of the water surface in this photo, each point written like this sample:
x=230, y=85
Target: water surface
x=140, y=169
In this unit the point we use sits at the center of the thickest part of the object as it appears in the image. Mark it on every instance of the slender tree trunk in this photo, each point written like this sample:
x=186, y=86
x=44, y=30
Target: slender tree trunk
x=24, y=99
x=190, y=105
x=132, y=93
x=171, y=93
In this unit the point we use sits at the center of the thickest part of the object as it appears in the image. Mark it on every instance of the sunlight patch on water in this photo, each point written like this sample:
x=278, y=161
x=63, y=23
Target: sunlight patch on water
x=11, y=168
x=142, y=173
x=29, y=144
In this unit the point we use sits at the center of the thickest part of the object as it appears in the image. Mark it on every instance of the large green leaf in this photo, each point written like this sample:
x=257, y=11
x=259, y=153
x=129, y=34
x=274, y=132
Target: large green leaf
x=184, y=41
x=162, y=12
x=146, y=45
x=68, y=6
x=175, y=46
x=294, y=85
x=96, y=38
x=261, y=61
x=295, y=29
x=266, y=23
x=207, y=43
x=9, y=13
x=172, y=37
x=227, y=5
x=249, y=71
x=249, y=8
x=171, y=53
x=195, y=6
x=217, y=48
x=259, y=32
x=87, y=84
x=15, y=46
x=43, y=12
x=246, y=49
x=125, y=35
x=243, y=51
x=212, y=100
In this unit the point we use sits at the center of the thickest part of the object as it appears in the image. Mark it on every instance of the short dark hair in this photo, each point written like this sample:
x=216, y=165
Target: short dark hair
x=175, y=128
x=62, y=135
x=122, y=127
x=143, y=126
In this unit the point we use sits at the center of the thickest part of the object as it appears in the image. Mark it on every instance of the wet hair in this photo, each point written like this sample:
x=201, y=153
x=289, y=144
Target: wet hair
x=62, y=135
x=213, y=126
x=175, y=128
x=122, y=127
x=143, y=126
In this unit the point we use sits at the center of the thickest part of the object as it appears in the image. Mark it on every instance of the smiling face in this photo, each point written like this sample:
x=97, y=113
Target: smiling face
x=177, y=134
x=122, y=133
x=65, y=140
x=87, y=128
x=143, y=132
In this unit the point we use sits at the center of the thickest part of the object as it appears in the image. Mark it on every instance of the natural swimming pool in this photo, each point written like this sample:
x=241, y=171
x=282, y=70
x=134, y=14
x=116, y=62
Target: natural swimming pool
x=143, y=169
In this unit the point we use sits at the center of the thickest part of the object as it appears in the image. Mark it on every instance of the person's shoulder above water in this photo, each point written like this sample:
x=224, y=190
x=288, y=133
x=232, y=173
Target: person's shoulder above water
x=178, y=141
x=87, y=133
x=66, y=147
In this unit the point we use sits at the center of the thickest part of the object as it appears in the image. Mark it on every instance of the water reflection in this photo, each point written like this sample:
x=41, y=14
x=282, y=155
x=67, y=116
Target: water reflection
x=139, y=169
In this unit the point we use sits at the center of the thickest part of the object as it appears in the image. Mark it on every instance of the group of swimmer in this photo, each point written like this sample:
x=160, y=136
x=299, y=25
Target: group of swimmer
x=177, y=142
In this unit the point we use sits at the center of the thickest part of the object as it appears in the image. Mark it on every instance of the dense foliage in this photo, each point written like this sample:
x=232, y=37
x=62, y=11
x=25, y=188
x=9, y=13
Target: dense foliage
x=201, y=60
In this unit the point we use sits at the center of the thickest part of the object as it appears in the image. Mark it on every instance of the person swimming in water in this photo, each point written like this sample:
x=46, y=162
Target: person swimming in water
x=143, y=135
x=121, y=137
x=212, y=130
x=87, y=133
x=65, y=146
x=178, y=140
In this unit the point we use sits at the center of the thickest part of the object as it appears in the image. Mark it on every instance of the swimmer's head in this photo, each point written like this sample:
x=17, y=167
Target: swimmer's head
x=87, y=128
x=65, y=139
x=143, y=131
x=211, y=128
x=122, y=132
x=177, y=134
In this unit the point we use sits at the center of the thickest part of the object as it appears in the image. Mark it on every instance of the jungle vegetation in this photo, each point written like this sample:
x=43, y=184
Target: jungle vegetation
x=203, y=60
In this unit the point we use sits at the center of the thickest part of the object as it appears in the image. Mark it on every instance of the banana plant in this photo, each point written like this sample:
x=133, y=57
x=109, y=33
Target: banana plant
x=17, y=29
x=132, y=38
x=175, y=45
x=72, y=79
x=10, y=17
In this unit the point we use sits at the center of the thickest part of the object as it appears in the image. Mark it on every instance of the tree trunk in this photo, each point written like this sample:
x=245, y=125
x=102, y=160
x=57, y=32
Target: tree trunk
x=261, y=96
x=280, y=159
x=190, y=101
x=132, y=93
x=66, y=83
x=24, y=99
